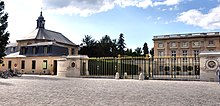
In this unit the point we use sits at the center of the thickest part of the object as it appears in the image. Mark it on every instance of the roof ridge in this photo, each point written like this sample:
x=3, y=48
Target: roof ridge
x=53, y=31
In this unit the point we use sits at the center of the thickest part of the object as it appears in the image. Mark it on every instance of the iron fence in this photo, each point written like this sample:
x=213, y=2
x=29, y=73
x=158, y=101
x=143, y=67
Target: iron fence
x=181, y=67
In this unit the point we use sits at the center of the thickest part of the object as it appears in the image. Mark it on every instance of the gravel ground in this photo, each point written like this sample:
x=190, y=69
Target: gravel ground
x=34, y=90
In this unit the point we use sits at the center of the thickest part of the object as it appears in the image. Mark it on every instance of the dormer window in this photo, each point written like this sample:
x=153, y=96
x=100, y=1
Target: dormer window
x=12, y=49
x=34, y=50
x=45, y=49
x=29, y=43
x=23, y=50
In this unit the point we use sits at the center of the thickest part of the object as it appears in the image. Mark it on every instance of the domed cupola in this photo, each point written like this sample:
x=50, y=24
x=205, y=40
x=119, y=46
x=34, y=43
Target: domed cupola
x=40, y=21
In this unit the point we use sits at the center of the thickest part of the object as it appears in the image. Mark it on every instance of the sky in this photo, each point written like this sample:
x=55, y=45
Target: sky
x=138, y=20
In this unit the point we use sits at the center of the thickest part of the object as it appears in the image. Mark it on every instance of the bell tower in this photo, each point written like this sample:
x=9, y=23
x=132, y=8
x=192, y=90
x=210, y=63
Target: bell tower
x=40, y=21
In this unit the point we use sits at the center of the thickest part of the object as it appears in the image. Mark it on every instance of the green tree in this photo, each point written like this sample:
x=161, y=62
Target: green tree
x=145, y=48
x=114, y=49
x=128, y=52
x=88, y=41
x=138, y=51
x=152, y=52
x=88, y=46
x=105, y=47
x=4, y=35
x=121, y=44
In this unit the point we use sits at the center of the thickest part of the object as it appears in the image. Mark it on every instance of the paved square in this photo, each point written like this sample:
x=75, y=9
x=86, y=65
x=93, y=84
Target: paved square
x=34, y=90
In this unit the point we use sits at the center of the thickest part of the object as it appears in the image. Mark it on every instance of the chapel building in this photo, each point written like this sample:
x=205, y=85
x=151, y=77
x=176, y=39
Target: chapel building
x=38, y=51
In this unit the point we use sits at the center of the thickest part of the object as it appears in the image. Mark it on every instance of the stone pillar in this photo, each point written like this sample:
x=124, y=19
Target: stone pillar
x=70, y=66
x=61, y=67
x=209, y=62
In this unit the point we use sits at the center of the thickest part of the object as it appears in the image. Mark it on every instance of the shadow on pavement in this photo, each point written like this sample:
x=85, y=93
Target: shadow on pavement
x=40, y=77
x=8, y=84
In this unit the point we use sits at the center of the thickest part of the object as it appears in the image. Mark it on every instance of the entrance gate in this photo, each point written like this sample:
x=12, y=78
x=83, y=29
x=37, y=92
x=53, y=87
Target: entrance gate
x=182, y=68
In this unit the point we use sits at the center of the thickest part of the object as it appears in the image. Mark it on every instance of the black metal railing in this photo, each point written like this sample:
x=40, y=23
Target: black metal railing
x=166, y=67
x=181, y=67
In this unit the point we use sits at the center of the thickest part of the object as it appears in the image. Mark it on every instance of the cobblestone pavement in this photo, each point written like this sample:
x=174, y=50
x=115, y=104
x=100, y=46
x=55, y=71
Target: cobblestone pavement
x=34, y=90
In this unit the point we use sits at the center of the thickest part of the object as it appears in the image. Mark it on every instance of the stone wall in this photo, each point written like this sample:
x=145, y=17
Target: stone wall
x=209, y=62
x=71, y=66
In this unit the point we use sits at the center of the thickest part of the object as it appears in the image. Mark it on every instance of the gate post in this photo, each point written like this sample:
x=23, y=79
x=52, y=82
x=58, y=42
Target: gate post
x=149, y=69
x=119, y=66
x=209, y=63
x=146, y=68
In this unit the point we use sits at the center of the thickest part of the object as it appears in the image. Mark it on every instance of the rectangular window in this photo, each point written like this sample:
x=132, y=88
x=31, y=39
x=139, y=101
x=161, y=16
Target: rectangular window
x=12, y=49
x=33, y=64
x=160, y=45
x=45, y=50
x=196, y=43
x=173, y=44
x=44, y=64
x=185, y=44
x=9, y=64
x=22, y=64
x=160, y=53
x=173, y=54
x=23, y=50
x=185, y=54
x=73, y=51
x=211, y=42
x=33, y=50
x=196, y=52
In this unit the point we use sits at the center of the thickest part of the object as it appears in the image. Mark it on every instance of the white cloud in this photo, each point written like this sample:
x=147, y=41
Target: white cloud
x=164, y=9
x=158, y=18
x=89, y=7
x=194, y=17
x=145, y=4
x=167, y=2
x=81, y=7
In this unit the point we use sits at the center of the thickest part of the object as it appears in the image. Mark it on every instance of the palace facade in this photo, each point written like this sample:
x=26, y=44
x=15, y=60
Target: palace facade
x=38, y=51
x=189, y=44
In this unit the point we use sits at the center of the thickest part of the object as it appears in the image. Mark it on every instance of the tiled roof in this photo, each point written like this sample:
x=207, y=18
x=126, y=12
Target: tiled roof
x=45, y=43
x=41, y=33
x=11, y=45
x=14, y=55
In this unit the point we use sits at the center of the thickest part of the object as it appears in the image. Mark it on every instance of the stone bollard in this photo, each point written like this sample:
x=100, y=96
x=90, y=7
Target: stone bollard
x=87, y=72
x=125, y=75
x=141, y=76
x=117, y=75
